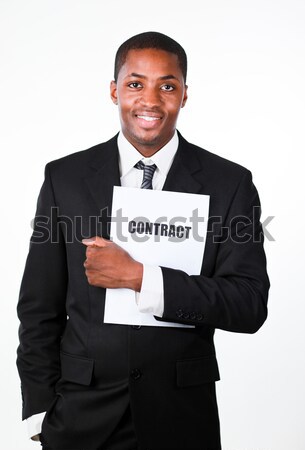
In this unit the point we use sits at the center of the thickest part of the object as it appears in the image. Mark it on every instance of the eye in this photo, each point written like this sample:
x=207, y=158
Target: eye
x=167, y=87
x=134, y=85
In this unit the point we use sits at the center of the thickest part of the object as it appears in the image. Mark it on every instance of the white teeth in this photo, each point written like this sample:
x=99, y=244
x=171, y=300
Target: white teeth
x=149, y=118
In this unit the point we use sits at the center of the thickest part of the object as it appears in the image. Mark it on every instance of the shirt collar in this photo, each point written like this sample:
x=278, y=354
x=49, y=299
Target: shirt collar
x=129, y=155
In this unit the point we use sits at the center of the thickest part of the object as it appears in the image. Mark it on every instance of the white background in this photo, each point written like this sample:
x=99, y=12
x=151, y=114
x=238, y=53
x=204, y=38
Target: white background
x=246, y=103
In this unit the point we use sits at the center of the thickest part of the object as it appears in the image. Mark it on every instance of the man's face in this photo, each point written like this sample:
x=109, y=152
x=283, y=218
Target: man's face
x=150, y=91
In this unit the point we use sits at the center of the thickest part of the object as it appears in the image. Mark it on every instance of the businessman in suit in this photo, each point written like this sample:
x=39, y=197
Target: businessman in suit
x=91, y=385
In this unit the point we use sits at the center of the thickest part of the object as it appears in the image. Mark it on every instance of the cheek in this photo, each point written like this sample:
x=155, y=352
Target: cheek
x=123, y=112
x=173, y=104
x=125, y=108
x=125, y=98
x=173, y=110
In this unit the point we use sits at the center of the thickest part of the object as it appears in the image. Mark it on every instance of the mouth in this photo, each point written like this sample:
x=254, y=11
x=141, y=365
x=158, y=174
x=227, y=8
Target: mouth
x=148, y=120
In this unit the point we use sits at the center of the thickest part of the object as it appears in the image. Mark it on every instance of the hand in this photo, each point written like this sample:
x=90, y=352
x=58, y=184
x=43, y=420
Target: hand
x=109, y=266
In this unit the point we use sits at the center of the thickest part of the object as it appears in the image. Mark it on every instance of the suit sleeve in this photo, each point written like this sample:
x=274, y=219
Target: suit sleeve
x=41, y=307
x=234, y=296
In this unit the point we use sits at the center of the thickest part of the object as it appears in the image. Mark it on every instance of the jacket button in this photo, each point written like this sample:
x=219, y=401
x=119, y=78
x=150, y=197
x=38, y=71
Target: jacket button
x=193, y=316
x=135, y=374
x=186, y=316
x=179, y=313
x=136, y=327
x=199, y=316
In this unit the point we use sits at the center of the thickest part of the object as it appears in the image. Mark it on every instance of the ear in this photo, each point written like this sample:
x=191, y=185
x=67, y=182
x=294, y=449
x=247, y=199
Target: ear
x=184, y=96
x=113, y=92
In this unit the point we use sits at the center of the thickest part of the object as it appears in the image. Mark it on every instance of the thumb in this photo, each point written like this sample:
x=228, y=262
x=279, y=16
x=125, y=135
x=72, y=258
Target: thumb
x=96, y=241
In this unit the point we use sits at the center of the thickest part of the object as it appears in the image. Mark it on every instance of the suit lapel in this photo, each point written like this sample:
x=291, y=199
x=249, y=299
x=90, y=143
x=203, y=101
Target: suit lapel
x=181, y=177
x=104, y=175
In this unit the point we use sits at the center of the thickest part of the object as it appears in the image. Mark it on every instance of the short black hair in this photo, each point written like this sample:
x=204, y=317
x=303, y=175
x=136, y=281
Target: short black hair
x=150, y=39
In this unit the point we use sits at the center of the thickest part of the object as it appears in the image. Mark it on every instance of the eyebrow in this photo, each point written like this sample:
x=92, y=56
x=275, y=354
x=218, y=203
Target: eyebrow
x=165, y=77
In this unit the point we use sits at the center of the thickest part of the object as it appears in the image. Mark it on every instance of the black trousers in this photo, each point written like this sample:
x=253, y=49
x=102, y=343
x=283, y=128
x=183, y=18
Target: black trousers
x=123, y=437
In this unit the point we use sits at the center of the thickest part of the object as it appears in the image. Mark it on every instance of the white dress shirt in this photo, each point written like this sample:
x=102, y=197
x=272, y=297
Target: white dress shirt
x=151, y=298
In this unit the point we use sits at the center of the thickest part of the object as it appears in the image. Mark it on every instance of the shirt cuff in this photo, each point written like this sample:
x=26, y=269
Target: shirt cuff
x=34, y=424
x=151, y=298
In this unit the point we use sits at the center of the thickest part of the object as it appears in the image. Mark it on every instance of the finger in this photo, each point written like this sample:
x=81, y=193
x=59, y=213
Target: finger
x=96, y=241
x=90, y=242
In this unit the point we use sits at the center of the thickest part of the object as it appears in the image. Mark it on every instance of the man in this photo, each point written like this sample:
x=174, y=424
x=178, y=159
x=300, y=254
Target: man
x=109, y=387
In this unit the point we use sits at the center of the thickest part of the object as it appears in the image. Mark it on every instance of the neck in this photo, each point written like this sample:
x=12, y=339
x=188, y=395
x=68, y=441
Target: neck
x=148, y=149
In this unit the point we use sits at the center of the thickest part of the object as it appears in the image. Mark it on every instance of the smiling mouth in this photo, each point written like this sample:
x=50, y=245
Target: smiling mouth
x=148, y=118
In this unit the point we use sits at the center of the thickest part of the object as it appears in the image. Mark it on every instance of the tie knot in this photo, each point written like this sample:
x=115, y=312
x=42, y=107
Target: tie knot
x=140, y=165
x=149, y=171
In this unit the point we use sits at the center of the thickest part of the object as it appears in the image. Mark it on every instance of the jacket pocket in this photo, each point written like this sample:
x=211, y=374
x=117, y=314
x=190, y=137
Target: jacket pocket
x=195, y=371
x=76, y=368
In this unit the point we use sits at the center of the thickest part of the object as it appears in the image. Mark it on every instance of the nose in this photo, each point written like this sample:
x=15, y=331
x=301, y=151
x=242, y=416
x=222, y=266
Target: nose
x=150, y=97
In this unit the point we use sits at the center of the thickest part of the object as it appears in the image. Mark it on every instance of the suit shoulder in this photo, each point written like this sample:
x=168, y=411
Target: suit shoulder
x=79, y=161
x=216, y=163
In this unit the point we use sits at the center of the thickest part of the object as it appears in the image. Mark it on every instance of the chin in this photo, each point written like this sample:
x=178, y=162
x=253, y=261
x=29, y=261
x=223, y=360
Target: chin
x=147, y=140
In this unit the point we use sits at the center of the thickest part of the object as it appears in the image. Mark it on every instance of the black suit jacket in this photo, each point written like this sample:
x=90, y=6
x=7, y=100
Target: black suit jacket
x=170, y=372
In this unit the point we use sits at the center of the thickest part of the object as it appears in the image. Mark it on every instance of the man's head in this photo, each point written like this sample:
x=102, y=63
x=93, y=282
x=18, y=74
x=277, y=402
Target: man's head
x=149, y=88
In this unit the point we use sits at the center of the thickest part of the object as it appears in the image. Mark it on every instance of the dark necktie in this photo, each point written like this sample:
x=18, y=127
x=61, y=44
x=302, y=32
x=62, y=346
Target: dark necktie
x=148, y=174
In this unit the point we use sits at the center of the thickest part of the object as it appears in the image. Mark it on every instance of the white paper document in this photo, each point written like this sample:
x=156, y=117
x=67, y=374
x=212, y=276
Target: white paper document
x=159, y=228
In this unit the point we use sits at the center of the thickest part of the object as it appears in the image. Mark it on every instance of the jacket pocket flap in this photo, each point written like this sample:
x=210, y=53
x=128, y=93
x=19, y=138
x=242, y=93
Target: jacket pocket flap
x=76, y=368
x=195, y=371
